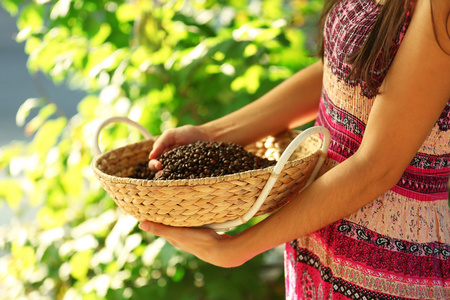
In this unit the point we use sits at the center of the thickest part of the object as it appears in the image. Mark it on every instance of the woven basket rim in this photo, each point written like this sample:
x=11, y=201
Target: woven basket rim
x=186, y=182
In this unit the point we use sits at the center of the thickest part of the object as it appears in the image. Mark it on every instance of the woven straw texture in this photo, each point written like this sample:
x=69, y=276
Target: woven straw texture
x=197, y=202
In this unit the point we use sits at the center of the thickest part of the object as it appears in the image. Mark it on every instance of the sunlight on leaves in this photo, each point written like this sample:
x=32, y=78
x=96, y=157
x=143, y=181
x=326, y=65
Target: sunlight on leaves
x=127, y=13
x=49, y=218
x=25, y=109
x=24, y=257
x=44, y=113
x=11, y=191
x=249, y=81
x=30, y=20
x=102, y=34
x=60, y=9
x=79, y=264
x=48, y=134
x=11, y=6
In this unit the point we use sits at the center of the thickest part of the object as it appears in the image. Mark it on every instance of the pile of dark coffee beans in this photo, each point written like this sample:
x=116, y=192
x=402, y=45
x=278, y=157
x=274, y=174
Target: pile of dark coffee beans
x=203, y=159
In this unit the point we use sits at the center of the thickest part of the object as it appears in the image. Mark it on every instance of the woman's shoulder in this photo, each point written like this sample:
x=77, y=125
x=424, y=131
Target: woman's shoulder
x=436, y=12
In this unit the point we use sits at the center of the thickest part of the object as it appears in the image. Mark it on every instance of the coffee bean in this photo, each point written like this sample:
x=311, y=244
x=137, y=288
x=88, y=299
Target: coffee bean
x=203, y=159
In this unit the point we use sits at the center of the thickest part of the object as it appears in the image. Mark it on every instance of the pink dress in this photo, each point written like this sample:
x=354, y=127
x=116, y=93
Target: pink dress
x=398, y=246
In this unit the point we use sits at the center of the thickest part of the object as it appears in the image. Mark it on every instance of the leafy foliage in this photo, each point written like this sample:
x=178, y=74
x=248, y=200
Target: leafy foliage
x=163, y=64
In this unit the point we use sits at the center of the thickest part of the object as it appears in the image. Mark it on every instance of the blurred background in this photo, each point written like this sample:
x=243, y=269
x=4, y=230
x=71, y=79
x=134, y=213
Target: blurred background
x=17, y=85
x=65, y=65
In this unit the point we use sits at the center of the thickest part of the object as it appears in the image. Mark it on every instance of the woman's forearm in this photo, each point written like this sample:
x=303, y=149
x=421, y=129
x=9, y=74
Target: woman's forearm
x=335, y=195
x=290, y=104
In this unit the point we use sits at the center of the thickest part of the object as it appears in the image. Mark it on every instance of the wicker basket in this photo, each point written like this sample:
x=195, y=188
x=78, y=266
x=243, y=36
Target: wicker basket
x=217, y=202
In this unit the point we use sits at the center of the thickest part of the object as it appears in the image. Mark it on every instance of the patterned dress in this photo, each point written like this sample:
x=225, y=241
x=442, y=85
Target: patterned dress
x=398, y=246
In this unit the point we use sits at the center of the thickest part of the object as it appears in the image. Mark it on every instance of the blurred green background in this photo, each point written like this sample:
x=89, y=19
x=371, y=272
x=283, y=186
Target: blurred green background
x=163, y=64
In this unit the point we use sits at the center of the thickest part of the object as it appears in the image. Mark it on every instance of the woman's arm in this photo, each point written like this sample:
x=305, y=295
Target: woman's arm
x=414, y=94
x=292, y=103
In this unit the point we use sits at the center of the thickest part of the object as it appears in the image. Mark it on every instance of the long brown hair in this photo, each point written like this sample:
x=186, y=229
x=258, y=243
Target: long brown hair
x=392, y=16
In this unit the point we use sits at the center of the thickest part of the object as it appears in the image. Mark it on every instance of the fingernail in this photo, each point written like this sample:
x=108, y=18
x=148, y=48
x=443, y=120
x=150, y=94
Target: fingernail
x=144, y=226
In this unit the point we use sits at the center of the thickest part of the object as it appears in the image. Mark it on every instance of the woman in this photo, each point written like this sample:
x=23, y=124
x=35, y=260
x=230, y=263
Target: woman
x=377, y=224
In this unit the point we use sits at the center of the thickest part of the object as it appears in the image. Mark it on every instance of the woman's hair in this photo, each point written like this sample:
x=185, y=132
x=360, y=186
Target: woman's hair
x=385, y=30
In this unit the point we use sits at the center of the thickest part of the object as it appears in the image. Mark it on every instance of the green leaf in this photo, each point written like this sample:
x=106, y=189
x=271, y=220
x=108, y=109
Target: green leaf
x=48, y=134
x=25, y=109
x=44, y=113
x=127, y=13
x=11, y=190
x=85, y=106
x=60, y=9
x=102, y=34
x=10, y=152
x=24, y=257
x=49, y=218
x=179, y=274
x=249, y=81
x=250, y=50
x=79, y=264
x=30, y=21
x=32, y=44
x=11, y=6
x=72, y=180
x=273, y=8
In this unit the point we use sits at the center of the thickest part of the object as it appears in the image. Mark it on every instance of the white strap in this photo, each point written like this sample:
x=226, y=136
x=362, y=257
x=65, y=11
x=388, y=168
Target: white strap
x=103, y=124
x=222, y=227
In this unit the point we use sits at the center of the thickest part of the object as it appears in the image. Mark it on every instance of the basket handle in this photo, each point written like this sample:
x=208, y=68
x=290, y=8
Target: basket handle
x=222, y=227
x=107, y=121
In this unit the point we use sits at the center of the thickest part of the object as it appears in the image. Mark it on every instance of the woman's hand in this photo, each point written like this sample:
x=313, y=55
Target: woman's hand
x=204, y=243
x=173, y=138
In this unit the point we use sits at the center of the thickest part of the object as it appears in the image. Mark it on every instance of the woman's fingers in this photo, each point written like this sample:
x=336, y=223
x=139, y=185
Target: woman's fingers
x=165, y=141
x=172, y=232
x=204, y=243
x=172, y=138
x=149, y=227
x=157, y=230
x=155, y=165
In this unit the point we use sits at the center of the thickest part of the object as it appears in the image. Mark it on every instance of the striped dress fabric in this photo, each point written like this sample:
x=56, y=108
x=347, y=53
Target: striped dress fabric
x=397, y=246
